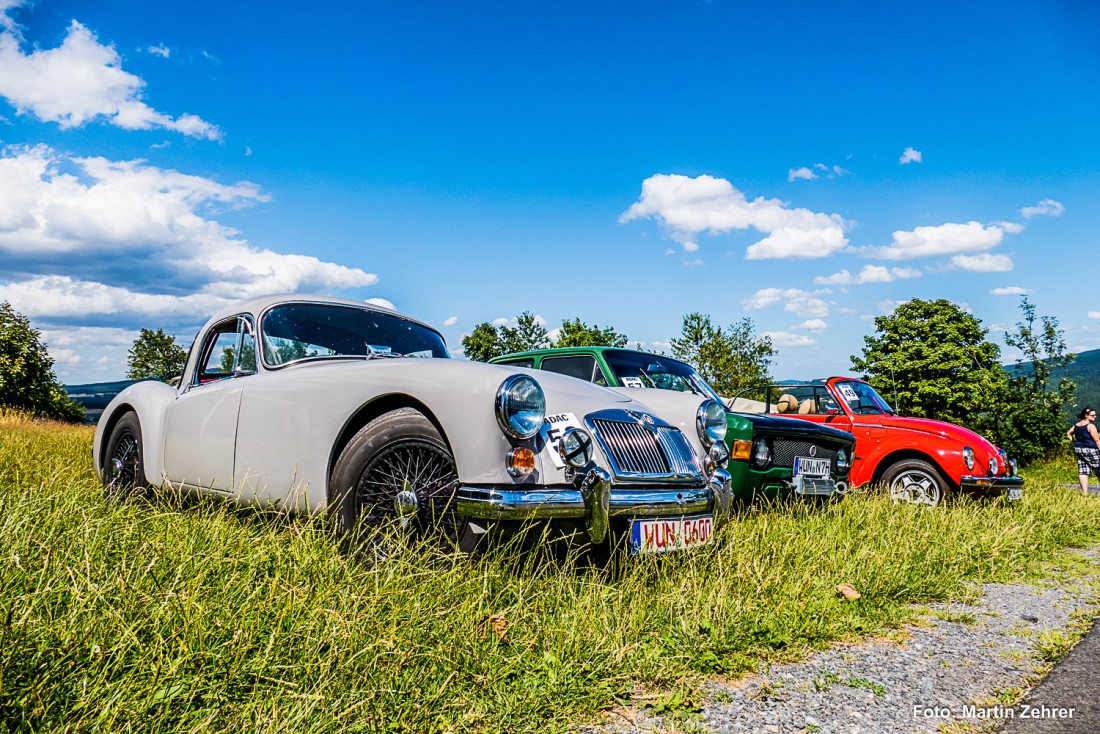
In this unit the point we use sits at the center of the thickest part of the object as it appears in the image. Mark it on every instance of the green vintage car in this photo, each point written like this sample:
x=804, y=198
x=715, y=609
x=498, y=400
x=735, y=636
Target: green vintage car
x=768, y=455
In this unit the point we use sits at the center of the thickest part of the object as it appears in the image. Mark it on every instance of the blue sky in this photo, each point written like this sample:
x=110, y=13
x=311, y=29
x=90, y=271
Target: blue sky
x=805, y=164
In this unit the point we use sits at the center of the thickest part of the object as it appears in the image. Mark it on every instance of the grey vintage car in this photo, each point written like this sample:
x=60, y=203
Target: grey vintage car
x=320, y=404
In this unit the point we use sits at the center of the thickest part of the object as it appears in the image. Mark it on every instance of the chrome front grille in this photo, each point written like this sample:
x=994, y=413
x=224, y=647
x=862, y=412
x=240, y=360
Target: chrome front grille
x=784, y=450
x=635, y=451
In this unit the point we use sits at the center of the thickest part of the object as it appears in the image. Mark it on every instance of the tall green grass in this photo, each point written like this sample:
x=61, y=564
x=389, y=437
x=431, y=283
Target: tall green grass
x=198, y=617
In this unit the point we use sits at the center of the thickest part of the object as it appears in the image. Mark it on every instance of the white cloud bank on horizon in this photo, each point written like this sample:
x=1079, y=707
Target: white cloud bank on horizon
x=80, y=81
x=88, y=236
x=868, y=274
x=687, y=207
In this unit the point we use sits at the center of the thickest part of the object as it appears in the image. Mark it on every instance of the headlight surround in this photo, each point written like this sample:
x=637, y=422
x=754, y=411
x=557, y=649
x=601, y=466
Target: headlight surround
x=993, y=466
x=710, y=422
x=761, y=453
x=719, y=454
x=842, y=463
x=520, y=406
x=968, y=457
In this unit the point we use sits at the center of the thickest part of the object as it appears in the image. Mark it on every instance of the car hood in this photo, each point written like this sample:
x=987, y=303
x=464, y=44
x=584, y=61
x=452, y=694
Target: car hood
x=937, y=428
x=779, y=424
x=467, y=376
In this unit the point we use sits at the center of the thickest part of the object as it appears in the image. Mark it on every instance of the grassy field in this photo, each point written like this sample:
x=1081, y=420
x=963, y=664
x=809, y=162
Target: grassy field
x=161, y=616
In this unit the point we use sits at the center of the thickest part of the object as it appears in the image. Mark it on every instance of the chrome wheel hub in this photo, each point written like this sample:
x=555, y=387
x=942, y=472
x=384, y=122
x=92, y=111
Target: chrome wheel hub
x=915, y=487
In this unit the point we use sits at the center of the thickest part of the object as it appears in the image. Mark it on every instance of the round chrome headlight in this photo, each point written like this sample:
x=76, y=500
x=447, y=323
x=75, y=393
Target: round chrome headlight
x=520, y=406
x=842, y=463
x=575, y=447
x=992, y=466
x=761, y=453
x=968, y=457
x=710, y=421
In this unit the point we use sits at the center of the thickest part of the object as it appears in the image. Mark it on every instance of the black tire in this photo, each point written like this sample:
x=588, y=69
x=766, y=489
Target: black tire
x=124, y=461
x=917, y=482
x=395, y=457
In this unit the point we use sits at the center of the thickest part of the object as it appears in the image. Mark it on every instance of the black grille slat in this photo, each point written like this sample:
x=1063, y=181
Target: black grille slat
x=784, y=450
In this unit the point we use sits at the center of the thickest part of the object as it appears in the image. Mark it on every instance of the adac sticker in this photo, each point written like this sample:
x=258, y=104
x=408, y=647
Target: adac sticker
x=552, y=431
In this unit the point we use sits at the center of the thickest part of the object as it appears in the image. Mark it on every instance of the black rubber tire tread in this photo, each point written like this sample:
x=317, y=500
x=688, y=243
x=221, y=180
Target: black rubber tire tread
x=896, y=469
x=125, y=444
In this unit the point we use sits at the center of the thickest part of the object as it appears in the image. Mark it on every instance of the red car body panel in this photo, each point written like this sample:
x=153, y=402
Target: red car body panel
x=883, y=439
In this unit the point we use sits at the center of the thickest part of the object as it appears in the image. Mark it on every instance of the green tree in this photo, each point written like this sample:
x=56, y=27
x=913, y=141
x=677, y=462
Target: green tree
x=730, y=358
x=528, y=333
x=576, y=333
x=483, y=343
x=155, y=355
x=27, y=381
x=1031, y=424
x=934, y=360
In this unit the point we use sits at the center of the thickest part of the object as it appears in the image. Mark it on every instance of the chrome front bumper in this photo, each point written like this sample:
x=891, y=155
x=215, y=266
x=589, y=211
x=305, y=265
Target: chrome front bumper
x=595, y=501
x=974, y=483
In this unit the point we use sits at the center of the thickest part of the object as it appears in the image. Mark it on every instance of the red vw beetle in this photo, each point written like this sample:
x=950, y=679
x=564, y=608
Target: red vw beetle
x=921, y=460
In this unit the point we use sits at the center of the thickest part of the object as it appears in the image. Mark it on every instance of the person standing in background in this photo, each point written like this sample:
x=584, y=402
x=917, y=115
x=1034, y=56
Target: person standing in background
x=1086, y=445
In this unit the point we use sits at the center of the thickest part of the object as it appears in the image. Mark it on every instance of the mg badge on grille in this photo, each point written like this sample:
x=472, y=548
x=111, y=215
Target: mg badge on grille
x=644, y=418
x=813, y=450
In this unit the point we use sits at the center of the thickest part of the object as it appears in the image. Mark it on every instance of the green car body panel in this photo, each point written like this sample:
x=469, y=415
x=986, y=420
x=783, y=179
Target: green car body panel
x=606, y=366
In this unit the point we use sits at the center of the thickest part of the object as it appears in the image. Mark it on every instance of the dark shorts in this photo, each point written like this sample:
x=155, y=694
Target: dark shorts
x=1088, y=460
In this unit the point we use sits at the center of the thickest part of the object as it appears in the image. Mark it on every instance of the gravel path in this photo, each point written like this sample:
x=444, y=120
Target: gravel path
x=960, y=656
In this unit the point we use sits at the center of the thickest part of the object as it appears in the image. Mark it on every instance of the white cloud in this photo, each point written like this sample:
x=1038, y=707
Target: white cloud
x=812, y=325
x=1094, y=314
x=384, y=303
x=888, y=306
x=450, y=321
x=6, y=22
x=984, y=263
x=160, y=50
x=500, y=322
x=1046, y=207
x=819, y=170
x=806, y=304
x=801, y=173
x=82, y=80
x=910, y=155
x=869, y=274
x=143, y=228
x=59, y=297
x=688, y=207
x=786, y=339
x=1012, y=290
x=943, y=239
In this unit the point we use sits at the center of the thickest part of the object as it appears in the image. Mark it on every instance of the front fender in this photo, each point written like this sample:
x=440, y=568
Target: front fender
x=150, y=400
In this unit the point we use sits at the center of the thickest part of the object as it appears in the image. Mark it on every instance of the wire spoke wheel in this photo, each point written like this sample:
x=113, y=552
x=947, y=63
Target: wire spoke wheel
x=123, y=461
x=410, y=482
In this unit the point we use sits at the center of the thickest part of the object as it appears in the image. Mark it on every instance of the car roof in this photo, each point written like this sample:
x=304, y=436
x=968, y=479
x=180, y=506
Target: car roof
x=259, y=304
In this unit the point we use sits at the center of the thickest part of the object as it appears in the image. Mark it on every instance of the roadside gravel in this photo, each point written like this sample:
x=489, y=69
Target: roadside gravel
x=960, y=655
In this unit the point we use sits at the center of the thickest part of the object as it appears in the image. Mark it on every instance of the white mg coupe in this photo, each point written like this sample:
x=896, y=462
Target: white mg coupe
x=319, y=404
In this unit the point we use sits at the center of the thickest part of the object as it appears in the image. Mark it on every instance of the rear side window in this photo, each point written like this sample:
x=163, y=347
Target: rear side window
x=527, y=362
x=582, y=366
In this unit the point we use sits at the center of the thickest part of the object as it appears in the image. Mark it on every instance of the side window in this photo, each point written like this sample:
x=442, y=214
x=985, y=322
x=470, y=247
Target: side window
x=583, y=367
x=528, y=362
x=230, y=348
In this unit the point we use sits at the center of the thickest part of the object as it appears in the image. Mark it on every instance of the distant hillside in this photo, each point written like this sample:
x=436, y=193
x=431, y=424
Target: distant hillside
x=1085, y=371
x=95, y=396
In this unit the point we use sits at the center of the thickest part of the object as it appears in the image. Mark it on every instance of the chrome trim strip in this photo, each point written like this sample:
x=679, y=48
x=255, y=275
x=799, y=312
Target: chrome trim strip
x=977, y=482
x=493, y=503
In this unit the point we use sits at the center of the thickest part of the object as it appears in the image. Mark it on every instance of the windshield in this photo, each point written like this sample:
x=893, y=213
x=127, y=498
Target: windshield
x=300, y=331
x=638, y=369
x=861, y=398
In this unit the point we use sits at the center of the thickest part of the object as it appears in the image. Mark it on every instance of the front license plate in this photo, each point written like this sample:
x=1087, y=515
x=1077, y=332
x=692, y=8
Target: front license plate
x=670, y=533
x=1015, y=493
x=811, y=467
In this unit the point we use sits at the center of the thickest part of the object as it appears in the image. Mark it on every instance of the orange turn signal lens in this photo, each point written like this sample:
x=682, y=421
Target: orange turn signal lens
x=521, y=462
x=742, y=450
